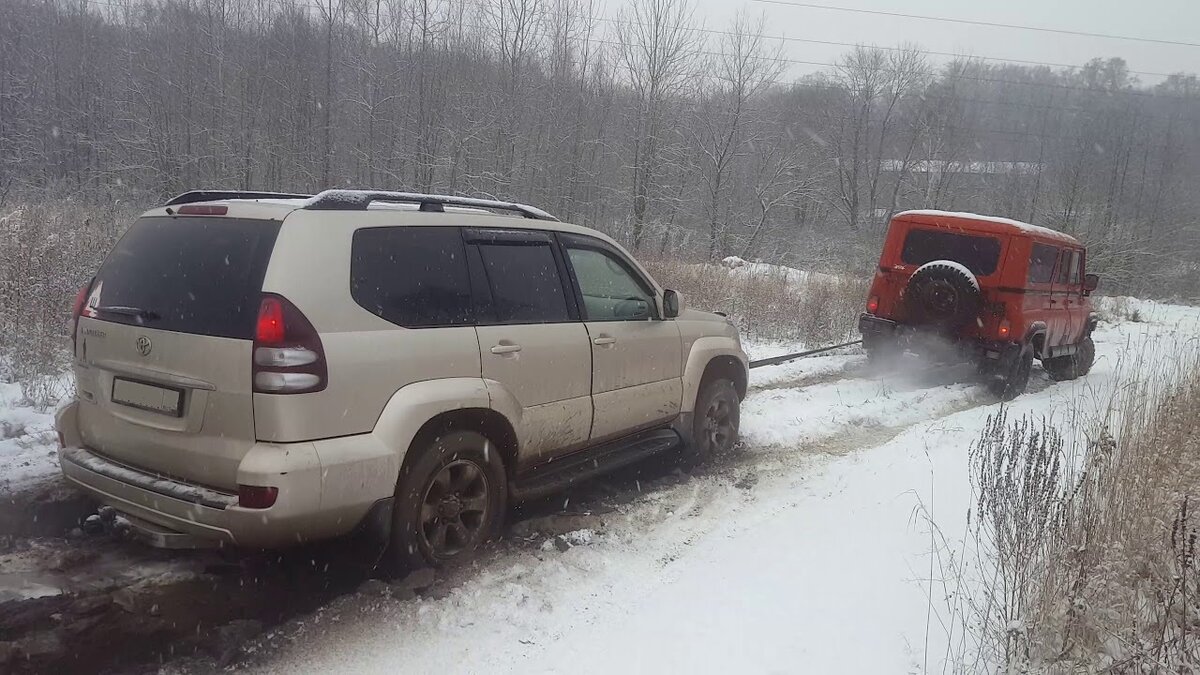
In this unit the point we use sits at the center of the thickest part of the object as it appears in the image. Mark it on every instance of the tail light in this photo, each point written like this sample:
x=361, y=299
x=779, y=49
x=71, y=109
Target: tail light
x=288, y=355
x=257, y=497
x=873, y=304
x=77, y=311
x=1004, y=329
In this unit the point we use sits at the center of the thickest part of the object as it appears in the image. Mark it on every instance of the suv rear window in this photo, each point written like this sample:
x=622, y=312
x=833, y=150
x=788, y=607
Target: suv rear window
x=412, y=276
x=187, y=274
x=977, y=253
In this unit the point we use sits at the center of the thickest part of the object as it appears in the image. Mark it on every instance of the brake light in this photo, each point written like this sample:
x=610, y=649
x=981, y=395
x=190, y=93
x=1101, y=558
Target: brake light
x=1004, y=329
x=270, y=328
x=873, y=304
x=288, y=355
x=77, y=311
x=257, y=497
x=202, y=210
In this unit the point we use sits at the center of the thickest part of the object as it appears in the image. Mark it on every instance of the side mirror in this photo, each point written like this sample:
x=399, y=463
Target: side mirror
x=672, y=302
x=1091, y=282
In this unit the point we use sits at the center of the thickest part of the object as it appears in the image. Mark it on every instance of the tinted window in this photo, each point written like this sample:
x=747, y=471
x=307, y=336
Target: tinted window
x=525, y=284
x=977, y=253
x=1041, y=264
x=187, y=274
x=412, y=276
x=610, y=291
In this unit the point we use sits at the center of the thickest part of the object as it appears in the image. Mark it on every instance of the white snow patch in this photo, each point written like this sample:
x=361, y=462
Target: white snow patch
x=823, y=565
x=28, y=443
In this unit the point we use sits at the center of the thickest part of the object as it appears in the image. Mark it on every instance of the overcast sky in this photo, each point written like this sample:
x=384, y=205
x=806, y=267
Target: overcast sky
x=1177, y=20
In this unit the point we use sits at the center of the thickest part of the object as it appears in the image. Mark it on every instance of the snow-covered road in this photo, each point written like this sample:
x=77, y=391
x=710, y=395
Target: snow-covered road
x=808, y=551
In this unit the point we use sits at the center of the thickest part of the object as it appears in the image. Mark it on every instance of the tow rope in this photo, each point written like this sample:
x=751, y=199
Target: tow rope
x=775, y=360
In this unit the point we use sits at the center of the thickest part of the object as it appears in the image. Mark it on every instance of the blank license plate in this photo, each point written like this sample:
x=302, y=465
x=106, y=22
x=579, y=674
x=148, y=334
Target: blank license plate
x=150, y=397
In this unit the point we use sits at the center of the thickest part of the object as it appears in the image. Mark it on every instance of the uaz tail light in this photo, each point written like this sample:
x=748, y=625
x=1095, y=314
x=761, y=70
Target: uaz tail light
x=873, y=304
x=288, y=355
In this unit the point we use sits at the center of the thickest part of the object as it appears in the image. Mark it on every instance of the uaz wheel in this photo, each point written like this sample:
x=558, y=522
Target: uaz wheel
x=942, y=295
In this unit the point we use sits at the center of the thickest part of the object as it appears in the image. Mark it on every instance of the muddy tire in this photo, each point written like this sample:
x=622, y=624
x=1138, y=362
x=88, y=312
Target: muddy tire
x=1074, y=365
x=715, y=422
x=1009, y=380
x=942, y=296
x=450, y=499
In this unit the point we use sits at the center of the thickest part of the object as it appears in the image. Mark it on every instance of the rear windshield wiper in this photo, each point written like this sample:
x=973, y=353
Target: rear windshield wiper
x=123, y=310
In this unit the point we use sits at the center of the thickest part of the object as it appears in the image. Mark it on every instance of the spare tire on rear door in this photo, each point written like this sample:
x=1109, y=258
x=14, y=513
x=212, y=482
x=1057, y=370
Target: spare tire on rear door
x=943, y=295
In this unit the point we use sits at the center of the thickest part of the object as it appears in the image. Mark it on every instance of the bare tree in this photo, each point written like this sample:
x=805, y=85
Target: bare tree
x=657, y=45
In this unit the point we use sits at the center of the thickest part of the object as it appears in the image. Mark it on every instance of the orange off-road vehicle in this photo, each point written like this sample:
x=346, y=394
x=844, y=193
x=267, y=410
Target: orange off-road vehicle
x=1002, y=291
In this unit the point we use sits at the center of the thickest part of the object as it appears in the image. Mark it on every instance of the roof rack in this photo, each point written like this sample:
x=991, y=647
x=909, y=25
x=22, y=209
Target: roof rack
x=361, y=199
x=215, y=195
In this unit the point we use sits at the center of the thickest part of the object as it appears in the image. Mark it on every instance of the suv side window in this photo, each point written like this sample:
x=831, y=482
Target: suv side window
x=524, y=281
x=610, y=290
x=412, y=276
x=1041, y=264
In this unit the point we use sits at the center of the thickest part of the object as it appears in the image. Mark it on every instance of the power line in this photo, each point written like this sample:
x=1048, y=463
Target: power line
x=785, y=38
x=289, y=4
x=970, y=22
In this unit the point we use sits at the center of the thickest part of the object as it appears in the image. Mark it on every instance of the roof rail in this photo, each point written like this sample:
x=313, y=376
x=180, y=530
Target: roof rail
x=215, y=195
x=361, y=199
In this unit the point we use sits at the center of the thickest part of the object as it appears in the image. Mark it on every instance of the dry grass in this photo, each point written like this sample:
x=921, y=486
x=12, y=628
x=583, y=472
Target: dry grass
x=772, y=304
x=48, y=250
x=1092, y=546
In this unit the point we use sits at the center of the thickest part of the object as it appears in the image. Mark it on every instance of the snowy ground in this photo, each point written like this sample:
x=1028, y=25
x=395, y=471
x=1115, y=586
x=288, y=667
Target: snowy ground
x=27, y=441
x=807, y=551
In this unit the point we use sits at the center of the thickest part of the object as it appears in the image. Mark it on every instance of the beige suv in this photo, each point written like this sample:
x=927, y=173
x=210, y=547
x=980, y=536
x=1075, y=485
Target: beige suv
x=261, y=369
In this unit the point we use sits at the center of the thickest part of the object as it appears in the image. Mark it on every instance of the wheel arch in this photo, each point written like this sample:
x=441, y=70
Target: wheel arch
x=711, y=357
x=484, y=421
x=425, y=406
x=1035, y=336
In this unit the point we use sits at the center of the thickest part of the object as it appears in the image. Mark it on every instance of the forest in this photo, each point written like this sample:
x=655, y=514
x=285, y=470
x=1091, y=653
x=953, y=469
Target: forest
x=682, y=139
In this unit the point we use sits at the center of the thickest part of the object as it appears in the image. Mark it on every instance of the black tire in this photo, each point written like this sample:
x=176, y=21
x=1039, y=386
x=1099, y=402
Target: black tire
x=1084, y=357
x=715, y=421
x=1074, y=365
x=942, y=296
x=450, y=499
x=1010, y=380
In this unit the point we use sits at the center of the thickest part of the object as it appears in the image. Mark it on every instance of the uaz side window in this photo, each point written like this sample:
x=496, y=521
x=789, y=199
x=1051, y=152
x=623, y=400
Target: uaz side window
x=412, y=276
x=979, y=254
x=1041, y=264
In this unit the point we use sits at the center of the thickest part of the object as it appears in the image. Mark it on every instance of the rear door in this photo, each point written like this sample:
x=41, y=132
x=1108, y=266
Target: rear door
x=1039, y=290
x=1062, y=301
x=637, y=362
x=163, y=359
x=531, y=341
x=1076, y=308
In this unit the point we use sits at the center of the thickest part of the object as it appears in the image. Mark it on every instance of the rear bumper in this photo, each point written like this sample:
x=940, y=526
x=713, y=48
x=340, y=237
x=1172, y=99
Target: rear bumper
x=873, y=326
x=303, y=511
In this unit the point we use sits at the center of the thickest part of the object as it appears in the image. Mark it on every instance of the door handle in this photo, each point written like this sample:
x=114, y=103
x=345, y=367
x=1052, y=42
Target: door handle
x=506, y=349
x=604, y=340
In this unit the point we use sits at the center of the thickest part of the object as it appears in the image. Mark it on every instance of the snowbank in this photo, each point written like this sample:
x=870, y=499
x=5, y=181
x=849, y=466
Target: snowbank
x=811, y=551
x=28, y=444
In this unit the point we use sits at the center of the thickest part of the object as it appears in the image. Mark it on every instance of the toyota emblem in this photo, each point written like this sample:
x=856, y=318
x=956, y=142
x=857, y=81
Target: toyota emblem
x=144, y=346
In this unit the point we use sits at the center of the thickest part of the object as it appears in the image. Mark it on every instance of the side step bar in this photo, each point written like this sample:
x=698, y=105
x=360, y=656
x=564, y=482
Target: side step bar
x=545, y=479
